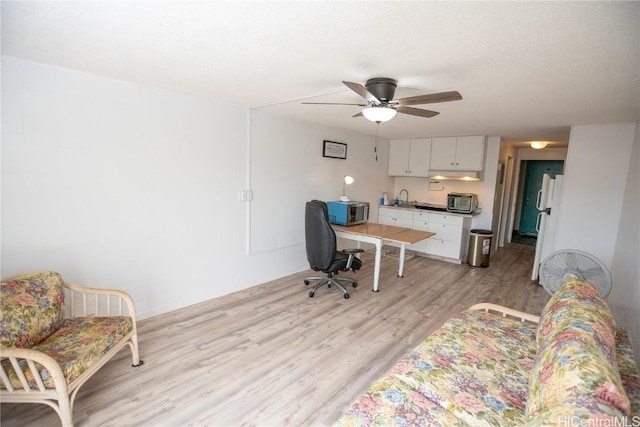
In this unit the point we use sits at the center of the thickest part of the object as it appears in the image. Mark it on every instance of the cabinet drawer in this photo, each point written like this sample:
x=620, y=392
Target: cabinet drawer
x=452, y=233
x=446, y=219
x=420, y=216
x=392, y=220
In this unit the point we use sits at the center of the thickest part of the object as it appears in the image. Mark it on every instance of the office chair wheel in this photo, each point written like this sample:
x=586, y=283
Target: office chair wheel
x=355, y=285
x=311, y=294
x=346, y=296
x=306, y=282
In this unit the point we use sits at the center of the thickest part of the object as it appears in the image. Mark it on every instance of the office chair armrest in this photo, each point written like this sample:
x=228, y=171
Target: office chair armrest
x=351, y=253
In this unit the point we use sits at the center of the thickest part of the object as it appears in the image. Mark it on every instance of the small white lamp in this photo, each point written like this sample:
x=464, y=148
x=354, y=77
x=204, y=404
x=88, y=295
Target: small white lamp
x=348, y=180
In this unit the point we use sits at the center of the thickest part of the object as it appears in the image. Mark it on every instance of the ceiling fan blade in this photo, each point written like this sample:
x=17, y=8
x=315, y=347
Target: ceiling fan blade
x=416, y=111
x=333, y=103
x=358, y=115
x=363, y=92
x=430, y=98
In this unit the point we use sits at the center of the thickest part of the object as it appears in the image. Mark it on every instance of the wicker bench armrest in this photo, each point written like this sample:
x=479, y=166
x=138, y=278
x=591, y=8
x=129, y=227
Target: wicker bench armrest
x=505, y=311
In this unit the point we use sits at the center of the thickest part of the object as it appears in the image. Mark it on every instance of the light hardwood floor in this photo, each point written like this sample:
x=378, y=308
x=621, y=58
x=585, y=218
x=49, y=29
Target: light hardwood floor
x=272, y=356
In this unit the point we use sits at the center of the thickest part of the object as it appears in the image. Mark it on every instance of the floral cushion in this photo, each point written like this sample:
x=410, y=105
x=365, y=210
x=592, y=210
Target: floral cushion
x=575, y=375
x=389, y=402
x=471, y=371
x=32, y=309
x=76, y=345
x=628, y=372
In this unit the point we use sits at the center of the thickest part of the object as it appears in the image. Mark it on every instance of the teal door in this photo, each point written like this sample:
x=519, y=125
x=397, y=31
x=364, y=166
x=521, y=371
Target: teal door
x=533, y=183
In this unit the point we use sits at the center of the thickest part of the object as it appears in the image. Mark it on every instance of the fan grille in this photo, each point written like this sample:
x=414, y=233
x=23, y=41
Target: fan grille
x=558, y=266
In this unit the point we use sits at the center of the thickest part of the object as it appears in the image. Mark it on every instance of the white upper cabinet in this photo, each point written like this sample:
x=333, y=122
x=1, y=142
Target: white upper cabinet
x=462, y=153
x=409, y=157
x=470, y=153
x=443, y=153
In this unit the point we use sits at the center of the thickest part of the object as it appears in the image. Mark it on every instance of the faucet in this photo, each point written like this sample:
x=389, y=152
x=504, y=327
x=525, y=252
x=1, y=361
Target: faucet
x=407, y=199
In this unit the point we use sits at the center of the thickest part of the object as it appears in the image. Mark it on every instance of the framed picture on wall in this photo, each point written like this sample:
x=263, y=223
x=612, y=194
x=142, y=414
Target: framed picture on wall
x=336, y=150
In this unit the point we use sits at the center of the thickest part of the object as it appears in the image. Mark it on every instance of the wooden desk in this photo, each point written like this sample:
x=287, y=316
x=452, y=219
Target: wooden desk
x=377, y=234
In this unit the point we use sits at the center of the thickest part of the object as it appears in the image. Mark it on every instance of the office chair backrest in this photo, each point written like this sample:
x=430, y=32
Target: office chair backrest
x=319, y=236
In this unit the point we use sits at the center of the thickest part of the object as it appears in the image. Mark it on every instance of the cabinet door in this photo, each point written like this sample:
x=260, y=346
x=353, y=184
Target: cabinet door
x=403, y=222
x=398, y=157
x=395, y=216
x=443, y=153
x=469, y=153
x=419, y=154
x=443, y=248
x=385, y=216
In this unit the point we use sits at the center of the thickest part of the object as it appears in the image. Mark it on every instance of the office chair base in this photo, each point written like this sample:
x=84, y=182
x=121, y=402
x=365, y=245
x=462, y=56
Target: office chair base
x=330, y=281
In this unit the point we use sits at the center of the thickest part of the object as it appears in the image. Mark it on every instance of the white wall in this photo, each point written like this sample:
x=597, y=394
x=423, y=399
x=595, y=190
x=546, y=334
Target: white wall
x=596, y=171
x=625, y=295
x=115, y=184
x=288, y=169
x=600, y=213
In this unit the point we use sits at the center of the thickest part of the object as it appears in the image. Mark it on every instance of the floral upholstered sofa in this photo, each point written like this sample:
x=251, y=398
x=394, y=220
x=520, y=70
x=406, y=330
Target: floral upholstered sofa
x=55, y=335
x=493, y=366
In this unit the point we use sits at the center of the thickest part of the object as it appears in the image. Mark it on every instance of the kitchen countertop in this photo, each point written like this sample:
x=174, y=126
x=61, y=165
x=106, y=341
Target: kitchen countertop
x=411, y=207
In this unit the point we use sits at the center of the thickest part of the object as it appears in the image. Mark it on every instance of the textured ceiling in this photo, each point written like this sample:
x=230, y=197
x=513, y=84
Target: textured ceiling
x=526, y=70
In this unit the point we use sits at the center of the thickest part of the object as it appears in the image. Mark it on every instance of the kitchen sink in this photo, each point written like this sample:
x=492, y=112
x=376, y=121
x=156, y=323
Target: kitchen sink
x=428, y=207
x=425, y=206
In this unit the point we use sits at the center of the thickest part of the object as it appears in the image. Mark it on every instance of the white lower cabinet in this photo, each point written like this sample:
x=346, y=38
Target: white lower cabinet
x=451, y=236
x=397, y=217
x=452, y=231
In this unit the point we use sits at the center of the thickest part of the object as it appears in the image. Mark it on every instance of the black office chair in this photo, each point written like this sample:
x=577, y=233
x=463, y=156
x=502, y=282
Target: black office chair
x=321, y=250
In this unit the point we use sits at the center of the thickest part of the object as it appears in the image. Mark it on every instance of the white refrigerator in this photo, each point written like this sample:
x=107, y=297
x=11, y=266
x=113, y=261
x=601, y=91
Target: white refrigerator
x=548, y=204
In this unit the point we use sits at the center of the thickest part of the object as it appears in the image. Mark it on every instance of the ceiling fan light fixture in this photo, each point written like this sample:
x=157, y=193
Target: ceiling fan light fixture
x=379, y=113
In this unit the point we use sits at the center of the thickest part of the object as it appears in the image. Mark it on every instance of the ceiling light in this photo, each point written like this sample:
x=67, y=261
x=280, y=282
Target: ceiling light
x=379, y=113
x=538, y=144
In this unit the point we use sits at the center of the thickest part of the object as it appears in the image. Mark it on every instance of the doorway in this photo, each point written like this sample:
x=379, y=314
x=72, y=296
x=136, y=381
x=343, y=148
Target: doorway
x=535, y=169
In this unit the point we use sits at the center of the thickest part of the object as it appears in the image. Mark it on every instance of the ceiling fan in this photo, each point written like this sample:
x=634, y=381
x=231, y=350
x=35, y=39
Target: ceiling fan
x=381, y=106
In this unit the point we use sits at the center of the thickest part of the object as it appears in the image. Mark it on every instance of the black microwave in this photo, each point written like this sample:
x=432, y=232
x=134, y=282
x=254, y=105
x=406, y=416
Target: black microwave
x=348, y=213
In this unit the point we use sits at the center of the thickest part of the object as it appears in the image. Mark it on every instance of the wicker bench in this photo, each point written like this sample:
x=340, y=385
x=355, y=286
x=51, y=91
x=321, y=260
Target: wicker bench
x=55, y=335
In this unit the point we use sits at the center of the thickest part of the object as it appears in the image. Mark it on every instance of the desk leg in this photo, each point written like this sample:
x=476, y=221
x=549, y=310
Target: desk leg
x=376, y=270
x=401, y=261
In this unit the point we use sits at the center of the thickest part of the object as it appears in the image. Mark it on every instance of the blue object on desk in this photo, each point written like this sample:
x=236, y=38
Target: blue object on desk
x=348, y=213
